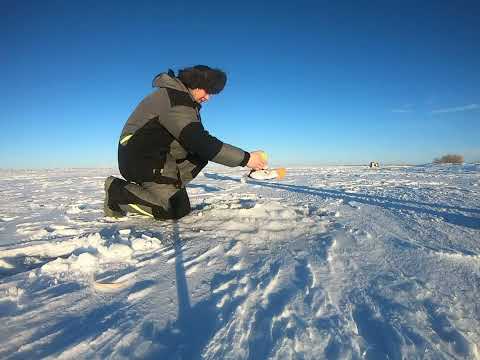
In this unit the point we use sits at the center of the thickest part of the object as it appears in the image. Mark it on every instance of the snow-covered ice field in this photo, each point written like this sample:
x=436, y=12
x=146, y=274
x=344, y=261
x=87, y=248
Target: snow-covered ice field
x=330, y=263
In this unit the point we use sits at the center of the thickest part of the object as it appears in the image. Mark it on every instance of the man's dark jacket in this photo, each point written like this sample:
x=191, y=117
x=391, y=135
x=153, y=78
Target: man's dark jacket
x=164, y=140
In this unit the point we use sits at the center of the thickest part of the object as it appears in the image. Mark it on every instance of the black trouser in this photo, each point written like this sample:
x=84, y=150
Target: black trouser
x=161, y=201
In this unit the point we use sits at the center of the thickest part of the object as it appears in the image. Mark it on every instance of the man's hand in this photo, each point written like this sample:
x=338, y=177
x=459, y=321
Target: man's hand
x=258, y=160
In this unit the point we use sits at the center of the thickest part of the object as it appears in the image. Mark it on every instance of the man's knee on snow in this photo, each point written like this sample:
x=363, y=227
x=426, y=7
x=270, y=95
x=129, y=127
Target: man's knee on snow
x=179, y=206
x=180, y=203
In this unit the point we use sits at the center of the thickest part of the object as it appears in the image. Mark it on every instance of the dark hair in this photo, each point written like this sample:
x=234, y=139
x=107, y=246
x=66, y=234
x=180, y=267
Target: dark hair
x=203, y=77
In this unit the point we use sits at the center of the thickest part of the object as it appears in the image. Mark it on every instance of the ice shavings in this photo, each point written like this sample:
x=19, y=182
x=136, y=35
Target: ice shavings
x=116, y=251
x=83, y=263
x=146, y=243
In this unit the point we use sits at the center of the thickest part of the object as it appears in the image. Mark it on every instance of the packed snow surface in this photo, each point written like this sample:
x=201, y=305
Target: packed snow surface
x=330, y=263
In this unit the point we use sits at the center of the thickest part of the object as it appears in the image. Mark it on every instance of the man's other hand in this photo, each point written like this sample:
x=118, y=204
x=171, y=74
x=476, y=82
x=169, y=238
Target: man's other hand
x=257, y=160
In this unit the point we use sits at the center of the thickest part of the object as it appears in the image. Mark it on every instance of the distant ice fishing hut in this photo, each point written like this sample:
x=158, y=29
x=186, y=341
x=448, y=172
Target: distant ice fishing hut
x=374, y=165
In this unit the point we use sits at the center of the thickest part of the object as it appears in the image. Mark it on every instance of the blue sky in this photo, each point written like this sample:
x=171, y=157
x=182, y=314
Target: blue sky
x=311, y=83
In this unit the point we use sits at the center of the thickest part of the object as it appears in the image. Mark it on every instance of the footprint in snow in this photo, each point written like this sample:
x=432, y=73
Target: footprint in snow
x=447, y=331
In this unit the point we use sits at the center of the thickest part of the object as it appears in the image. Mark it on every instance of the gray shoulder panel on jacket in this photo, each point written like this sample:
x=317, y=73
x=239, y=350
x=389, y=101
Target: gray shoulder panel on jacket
x=151, y=106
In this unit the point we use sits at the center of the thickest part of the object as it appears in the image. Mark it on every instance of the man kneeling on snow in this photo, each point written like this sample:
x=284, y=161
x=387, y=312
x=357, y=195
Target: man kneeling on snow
x=164, y=145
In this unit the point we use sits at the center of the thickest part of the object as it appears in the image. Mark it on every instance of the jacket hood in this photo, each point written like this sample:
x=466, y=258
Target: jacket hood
x=168, y=80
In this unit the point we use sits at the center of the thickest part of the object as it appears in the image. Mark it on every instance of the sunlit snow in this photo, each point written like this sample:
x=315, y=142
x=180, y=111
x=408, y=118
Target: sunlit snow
x=329, y=263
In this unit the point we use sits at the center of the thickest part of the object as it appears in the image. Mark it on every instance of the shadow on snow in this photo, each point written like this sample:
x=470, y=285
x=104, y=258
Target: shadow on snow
x=195, y=325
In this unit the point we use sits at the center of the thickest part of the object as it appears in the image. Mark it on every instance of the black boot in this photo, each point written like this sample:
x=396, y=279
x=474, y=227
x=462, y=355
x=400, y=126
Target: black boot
x=110, y=207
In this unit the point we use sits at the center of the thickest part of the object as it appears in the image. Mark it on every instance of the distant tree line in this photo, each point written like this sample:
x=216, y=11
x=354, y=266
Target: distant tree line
x=449, y=159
